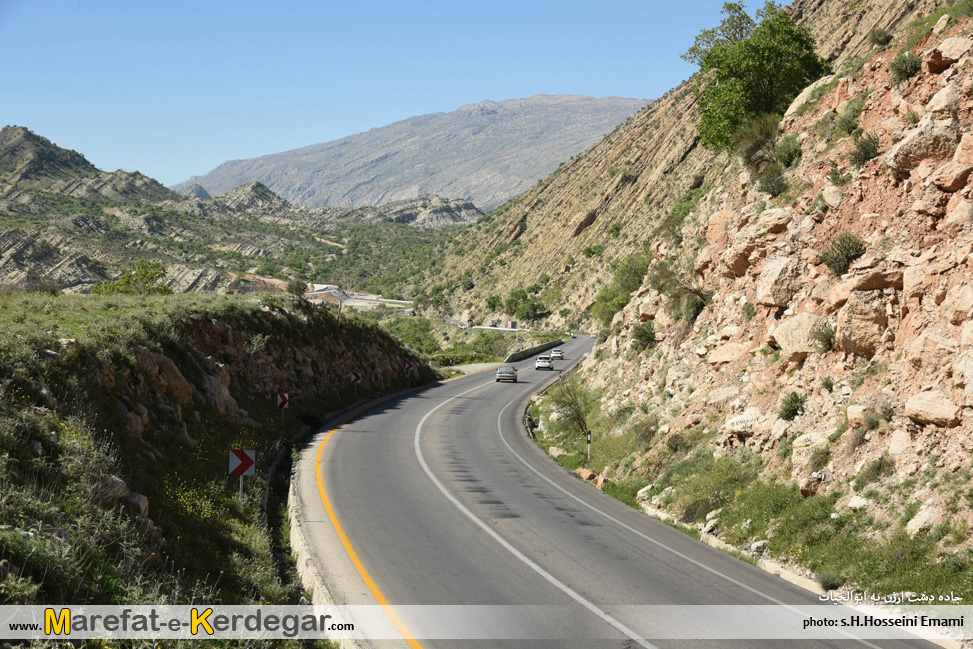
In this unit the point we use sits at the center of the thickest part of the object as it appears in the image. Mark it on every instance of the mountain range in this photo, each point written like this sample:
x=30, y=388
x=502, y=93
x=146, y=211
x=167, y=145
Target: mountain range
x=486, y=153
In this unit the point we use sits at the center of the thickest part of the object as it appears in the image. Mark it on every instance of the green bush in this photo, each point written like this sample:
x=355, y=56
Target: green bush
x=879, y=37
x=756, y=141
x=827, y=383
x=644, y=334
x=749, y=311
x=883, y=466
x=871, y=421
x=144, y=280
x=823, y=338
x=788, y=152
x=845, y=248
x=905, y=66
x=836, y=178
x=743, y=54
x=866, y=148
x=614, y=295
x=771, y=180
x=792, y=406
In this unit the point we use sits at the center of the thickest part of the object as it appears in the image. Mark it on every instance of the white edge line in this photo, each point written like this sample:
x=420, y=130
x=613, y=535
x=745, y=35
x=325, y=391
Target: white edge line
x=510, y=548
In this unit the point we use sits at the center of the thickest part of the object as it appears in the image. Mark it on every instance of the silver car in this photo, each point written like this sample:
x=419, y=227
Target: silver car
x=507, y=373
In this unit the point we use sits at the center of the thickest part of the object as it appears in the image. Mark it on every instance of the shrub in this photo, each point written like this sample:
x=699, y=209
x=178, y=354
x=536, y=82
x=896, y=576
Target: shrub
x=772, y=181
x=870, y=421
x=819, y=459
x=644, y=334
x=845, y=248
x=792, y=406
x=788, y=151
x=827, y=383
x=886, y=411
x=837, y=178
x=866, y=148
x=679, y=283
x=823, y=338
x=905, y=66
x=879, y=37
x=749, y=311
x=144, y=280
x=874, y=470
x=756, y=141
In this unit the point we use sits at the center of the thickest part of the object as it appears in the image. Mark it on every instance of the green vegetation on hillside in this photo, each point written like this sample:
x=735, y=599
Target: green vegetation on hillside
x=757, y=69
x=80, y=403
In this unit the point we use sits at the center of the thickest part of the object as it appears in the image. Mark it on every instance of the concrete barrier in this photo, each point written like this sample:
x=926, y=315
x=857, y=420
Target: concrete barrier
x=530, y=351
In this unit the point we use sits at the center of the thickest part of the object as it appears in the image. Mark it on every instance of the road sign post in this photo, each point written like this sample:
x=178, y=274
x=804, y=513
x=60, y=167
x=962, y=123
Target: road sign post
x=283, y=401
x=242, y=463
x=355, y=380
x=589, y=446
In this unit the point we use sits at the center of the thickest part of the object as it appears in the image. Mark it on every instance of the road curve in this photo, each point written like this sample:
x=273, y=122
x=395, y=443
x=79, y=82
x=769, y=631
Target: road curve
x=438, y=498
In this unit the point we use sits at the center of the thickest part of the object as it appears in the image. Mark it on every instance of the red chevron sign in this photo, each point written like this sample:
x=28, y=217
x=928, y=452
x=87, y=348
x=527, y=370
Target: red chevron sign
x=355, y=377
x=242, y=462
x=282, y=400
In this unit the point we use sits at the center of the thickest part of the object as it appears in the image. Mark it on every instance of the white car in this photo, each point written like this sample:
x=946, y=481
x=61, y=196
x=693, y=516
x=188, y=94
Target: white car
x=543, y=363
x=557, y=354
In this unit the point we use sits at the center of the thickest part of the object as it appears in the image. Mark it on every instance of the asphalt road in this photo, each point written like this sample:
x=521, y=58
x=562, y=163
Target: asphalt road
x=442, y=500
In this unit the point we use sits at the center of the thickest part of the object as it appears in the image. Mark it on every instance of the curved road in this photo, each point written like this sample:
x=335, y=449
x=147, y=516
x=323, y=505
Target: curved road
x=440, y=499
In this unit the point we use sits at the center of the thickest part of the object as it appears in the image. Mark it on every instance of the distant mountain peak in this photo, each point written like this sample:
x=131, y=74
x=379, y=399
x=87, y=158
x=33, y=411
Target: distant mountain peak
x=486, y=152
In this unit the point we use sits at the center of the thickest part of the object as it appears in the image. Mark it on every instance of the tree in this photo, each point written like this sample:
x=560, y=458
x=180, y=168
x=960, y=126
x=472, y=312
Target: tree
x=144, y=280
x=756, y=70
x=574, y=400
x=494, y=303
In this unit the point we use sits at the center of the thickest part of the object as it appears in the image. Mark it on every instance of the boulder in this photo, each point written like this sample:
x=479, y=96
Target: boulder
x=861, y=323
x=811, y=484
x=856, y=415
x=556, y=452
x=931, y=138
x=859, y=503
x=947, y=53
x=951, y=177
x=775, y=220
x=964, y=152
x=138, y=503
x=728, y=353
x=945, y=103
x=792, y=335
x=957, y=219
x=925, y=519
x=914, y=281
x=114, y=488
x=745, y=424
x=585, y=474
x=736, y=258
x=958, y=306
x=779, y=281
x=931, y=349
x=832, y=196
x=932, y=407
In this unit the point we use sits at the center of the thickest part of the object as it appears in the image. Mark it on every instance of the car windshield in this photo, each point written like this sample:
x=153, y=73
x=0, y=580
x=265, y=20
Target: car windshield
x=506, y=368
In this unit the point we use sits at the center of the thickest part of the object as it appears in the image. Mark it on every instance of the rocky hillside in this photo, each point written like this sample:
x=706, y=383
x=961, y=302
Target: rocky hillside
x=115, y=433
x=67, y=225
x=485, y=153
x=822, y=394
x=608, y=203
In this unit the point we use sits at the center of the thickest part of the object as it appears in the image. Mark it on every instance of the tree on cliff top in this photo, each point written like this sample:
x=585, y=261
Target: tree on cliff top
x=757, y=68
x=144, y=280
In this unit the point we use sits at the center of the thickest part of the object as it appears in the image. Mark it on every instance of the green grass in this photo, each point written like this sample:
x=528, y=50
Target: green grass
x=69, y=398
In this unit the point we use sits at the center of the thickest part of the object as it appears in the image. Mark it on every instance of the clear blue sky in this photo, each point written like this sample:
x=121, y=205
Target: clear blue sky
x=173, y=88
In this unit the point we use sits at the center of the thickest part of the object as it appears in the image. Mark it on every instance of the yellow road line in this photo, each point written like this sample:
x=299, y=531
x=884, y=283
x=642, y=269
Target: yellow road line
x=359, y=566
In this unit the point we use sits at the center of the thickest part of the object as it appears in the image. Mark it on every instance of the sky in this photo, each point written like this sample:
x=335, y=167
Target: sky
x=174, y=88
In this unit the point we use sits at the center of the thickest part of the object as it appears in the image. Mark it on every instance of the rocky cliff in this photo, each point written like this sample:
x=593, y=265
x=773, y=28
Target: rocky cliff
x=604, y=205
x=849, y=382
x=485, y=153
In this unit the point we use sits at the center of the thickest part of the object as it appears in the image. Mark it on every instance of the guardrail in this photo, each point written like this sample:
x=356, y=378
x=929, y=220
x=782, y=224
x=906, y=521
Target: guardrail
x=530, y=351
